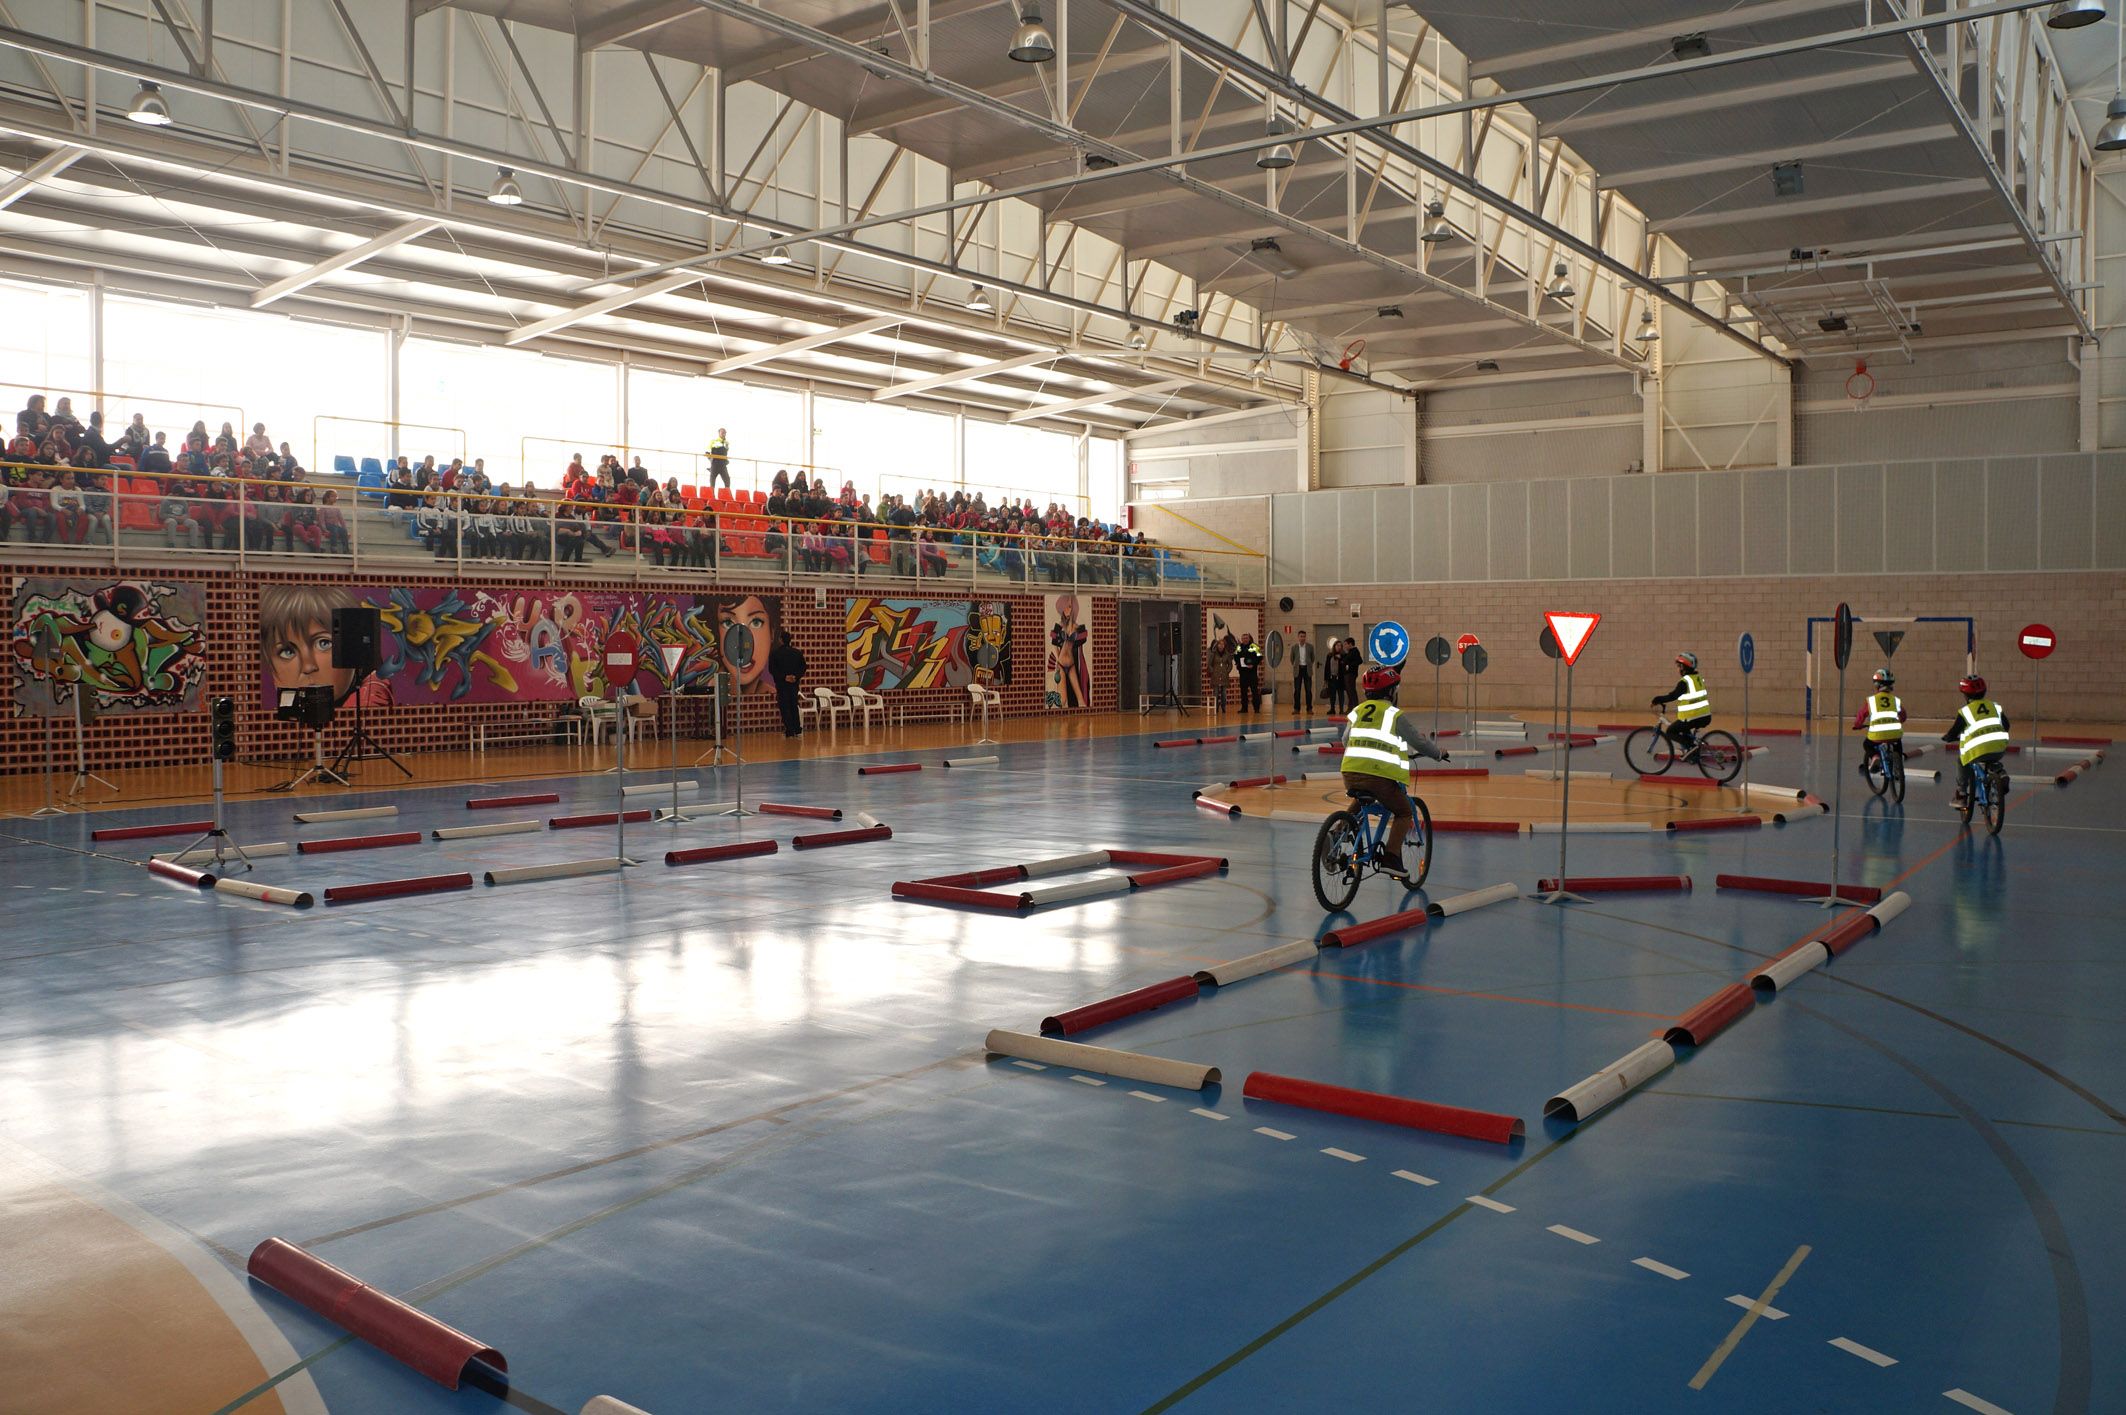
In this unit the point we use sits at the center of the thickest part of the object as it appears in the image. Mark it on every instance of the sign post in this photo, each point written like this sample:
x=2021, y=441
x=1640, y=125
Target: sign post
x=1570, y=633
x=622, y=658
x=1746, y=651
x=1474, y=661
x=1548, y=643
x=1437, y=652
x=1841, y=654
x=2037, y=643
x=672, y=654
x=736, y=646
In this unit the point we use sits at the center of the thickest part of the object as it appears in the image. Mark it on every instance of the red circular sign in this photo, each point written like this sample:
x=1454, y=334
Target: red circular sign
x=622, y=657
x=2036, y=641
x=1466, y=642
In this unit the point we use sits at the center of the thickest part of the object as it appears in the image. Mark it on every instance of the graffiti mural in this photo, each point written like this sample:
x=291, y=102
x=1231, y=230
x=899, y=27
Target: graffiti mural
x=448, y=644
x=1070, y=671
x=992, y=642
x=134, y=646
x=908, y=643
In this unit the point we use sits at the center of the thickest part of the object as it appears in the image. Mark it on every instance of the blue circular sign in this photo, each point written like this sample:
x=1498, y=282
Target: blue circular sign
x=1746, y=647
x=1389, y=643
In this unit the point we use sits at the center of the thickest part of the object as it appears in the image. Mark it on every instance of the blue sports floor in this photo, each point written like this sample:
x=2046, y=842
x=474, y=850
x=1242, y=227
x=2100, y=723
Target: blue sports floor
x=723, y=1138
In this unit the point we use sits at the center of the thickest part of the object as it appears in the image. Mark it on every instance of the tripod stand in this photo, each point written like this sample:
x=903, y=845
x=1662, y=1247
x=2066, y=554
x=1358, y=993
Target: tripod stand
x=83, y=715
x=359, y=739
x=317, y=769
x=223, y=845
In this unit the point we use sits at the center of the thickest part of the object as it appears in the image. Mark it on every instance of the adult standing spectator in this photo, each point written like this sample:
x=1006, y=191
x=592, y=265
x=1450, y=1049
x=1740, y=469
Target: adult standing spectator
x=1221, y=665
x=1248, y=659
x=1302, y=675
x=1354, y=659
x=720, y=459
x=787, y=667
x=1332, y=682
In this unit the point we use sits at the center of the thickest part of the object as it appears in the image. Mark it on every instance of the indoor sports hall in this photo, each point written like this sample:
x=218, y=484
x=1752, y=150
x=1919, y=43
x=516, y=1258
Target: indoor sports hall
x=1083, y=706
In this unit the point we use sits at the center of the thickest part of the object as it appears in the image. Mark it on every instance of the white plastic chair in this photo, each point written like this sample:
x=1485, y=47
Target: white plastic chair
x=867, y=703
x=599, y=715
x=831, y=705
x=981, y=700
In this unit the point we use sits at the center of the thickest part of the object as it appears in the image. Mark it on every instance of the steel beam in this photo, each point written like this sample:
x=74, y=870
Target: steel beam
x=331, y=264
x=1098, y=400
x=592, y=310
x=964, y=375
x=800, y=345
x=49, y=165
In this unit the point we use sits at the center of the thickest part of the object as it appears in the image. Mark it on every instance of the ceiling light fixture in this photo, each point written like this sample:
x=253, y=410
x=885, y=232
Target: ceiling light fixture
x=780, y=255
x=1276, y=159
x=1439, y=231
x=1031, y=43
x=1648, y=334
x=505, y=191
x=1137, y=341
x=149, y=107
x=1561, y=288
x=2073, y=14
x=2112, y=136
x=978, y=300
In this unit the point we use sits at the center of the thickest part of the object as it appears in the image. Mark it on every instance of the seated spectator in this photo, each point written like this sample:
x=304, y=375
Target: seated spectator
x=333, y=522
x=570, y=532
x=197, y=441
x=258, y=445
x=181, y=529
x=135, y=439
x=225, y=441
x=290, y=468
x=63, y=416
x=399, y=494
x=29, y=504
x=33, y=422
x=94, y=452
x=301, y=525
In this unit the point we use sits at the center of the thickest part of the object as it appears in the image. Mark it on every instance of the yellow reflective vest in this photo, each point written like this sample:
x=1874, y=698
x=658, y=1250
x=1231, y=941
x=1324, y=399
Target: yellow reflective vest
x=1884, y=724
x=1696, y=702
x=1985, y=733
x=1372, y=747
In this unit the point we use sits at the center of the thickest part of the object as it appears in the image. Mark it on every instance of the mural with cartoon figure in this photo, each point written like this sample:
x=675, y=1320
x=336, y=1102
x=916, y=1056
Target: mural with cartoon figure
x=1070, y=670
x=135, y=646
x=992, y=646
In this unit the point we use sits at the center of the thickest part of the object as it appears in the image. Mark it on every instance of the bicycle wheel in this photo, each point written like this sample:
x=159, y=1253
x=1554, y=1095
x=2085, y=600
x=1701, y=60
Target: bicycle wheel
x=1963, y=806
x=1649, y=752
x=1719, y=757
x=1875, y=769
x=1336, y=862
x=1421, y=840
x=1894, y=770
x=1996, y=799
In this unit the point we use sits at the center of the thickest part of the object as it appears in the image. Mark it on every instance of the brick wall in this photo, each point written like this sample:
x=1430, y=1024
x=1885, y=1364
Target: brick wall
x=815, y=622
x=1646, y=622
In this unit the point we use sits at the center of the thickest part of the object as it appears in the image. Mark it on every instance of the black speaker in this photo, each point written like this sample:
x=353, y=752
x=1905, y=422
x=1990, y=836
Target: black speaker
x=354, y=635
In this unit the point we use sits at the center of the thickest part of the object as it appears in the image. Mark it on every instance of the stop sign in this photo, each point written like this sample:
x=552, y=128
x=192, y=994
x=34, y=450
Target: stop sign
x=2036, y=641
x=1466, y=642
x=623, y=652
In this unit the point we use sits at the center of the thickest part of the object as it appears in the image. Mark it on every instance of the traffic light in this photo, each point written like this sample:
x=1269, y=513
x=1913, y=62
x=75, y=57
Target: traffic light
x=224, y=729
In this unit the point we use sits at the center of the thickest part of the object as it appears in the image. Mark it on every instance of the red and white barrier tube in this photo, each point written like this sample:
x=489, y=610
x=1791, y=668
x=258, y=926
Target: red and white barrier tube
x=1806, y=888
x=932, y=892
x=1614, y=884
x=1129, y=1004
x=264, y=893
x=1171, y=874
x=1780, y=972
x=1460, y=827
x=1718, y=823
x=404, y=1333
x=396, y=888
x=1611, y=1084
x=1388, y=1110
x=1352, y=935
x=840, y=837
x=1711, y=1017
x=1256, y=964
x=1223, y=808
x=365, y=813
x=1076, y=893
x=151, y=832
x=170, y=869
x=496, y=803
x=889, y=769
x=1475, y=899
x=708, y=854
x=595, y=818
x=359, y=842
x=481, y=832
x=1129, y=1065
x=780, y=808
x=1040, y=869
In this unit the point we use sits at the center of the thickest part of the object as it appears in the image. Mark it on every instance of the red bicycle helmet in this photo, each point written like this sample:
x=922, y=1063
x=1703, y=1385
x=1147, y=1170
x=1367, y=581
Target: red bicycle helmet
x=1971, y=686
x=1688, y=662
x=1379, y=678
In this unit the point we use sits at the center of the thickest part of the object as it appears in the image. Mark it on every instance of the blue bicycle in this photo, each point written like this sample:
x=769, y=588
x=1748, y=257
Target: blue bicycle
x=1351, y=843
x=1989, y=795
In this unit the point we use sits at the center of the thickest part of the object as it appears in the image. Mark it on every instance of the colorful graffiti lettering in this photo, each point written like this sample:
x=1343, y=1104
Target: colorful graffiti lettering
x=134, y=646
x=903, y=643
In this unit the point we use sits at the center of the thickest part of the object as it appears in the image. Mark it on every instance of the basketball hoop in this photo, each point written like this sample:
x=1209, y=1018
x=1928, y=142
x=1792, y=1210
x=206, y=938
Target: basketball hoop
x=1351, y=351
x=1860, y=385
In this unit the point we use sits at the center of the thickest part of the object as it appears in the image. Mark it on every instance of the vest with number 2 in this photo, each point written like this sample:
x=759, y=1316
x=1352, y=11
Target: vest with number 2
x=1373, y=748
x=1695, y=702
x=1985, y=735
x=1884, y=724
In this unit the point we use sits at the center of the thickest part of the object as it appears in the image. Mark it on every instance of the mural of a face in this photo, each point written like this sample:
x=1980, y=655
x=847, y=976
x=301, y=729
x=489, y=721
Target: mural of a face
x=750, y=614
x=109, y=632
x=304, y=659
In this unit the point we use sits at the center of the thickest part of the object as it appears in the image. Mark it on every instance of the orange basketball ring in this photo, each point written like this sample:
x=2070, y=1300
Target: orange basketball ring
x=1860, y=384
x=1351, y=352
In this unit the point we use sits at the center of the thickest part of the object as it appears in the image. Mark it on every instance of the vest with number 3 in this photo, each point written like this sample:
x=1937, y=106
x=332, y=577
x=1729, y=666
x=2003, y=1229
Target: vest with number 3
x=1884, y=724
x=1985, y=735
x=1373, y=748
x=1696, y=702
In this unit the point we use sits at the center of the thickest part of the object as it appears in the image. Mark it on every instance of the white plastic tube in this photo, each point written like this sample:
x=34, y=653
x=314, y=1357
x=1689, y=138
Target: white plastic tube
x=1545, y=773
x=1781, y=972
x=972, y=761
x=704, y=809
x=1322, y=776
x=607, y=1405
x=1325, y=732
x=1129, y=1065
x=206, y=852
x=475, y=832
x=1782, y=793
x=2031, y=780
x=1511, y=723
x=1475, y=899
x=1256, y=736
x=1891, y=906
x=1589, y=827
x=267, y=893
x=652, y=788
x=1256, y=964
x=1065, y=864
x=1083, y=889
x=366, y=813
x=1922, y=773
x=566, y=869
x=867, y=820
x=1612, y=1083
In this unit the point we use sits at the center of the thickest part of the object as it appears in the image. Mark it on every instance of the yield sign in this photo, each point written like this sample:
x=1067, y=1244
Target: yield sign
x=1887, y=640
x=1572, y=632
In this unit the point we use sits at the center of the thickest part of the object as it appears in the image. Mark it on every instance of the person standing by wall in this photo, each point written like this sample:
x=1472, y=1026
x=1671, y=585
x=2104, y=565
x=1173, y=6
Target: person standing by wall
x=787, y=667
x=1220, y=661
x=1302, y=675
x=1353, y=659
x=1248, y=659
x=720, y=459
x=1332, y=676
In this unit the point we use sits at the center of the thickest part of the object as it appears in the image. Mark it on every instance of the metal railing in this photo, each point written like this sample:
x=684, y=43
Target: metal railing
x=131, y=518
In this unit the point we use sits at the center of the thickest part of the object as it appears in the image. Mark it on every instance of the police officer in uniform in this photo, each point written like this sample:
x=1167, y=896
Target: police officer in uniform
x=720, y=460
x=1248, y=659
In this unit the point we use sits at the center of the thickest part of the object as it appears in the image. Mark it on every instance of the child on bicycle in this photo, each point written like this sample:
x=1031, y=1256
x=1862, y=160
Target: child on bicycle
x=1694, y=705
x=1379, y=739
x=1979, y=731
x=1882, y=717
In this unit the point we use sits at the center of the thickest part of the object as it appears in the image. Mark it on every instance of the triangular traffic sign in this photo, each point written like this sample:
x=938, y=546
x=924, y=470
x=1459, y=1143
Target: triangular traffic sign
x=1887, y=640
x=1572, y=632
x=672, y=654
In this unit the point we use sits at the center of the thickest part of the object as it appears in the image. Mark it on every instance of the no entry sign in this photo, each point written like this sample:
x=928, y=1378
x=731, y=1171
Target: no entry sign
x=2036, y=641
x=622, y=656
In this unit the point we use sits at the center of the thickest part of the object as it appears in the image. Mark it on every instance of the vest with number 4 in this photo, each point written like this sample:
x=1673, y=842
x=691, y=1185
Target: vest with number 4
x=1884, y=723
x=1372, y=748
x=1695, y=702
x=1985, y=735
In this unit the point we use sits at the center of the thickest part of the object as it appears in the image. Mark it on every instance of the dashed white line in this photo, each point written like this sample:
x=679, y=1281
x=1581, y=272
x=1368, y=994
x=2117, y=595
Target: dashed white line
x=1662, y=1268
x=1335, y=1154
x=1865, y=1353
x=1771, y=1314
x=1148, y=1096
x=1208, y=1114
x=1574, y=1234
x=1030, y=1065
x=1415, y=1178
x=1275, y=1134
x=1492, y=1204
x=92, y=891
x=1089, y=1080
x=1971, y=1402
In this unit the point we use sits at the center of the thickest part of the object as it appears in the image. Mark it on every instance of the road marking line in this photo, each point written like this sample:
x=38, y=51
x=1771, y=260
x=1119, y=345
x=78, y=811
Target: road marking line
x=1208, y=1114
x=1274, y=1134
x=1865, y=1353
x=1771, y=1314
x=1971, y=1402
x=92, y=891
x=1757, y=1309
x=1492, y=1204
x=1030, y=1065
x=1415, y=1178
x=1334, y=1153
x=1662, y=1268
x=1574, y=1234
x=1089, y=1080
x=1148, y=1096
